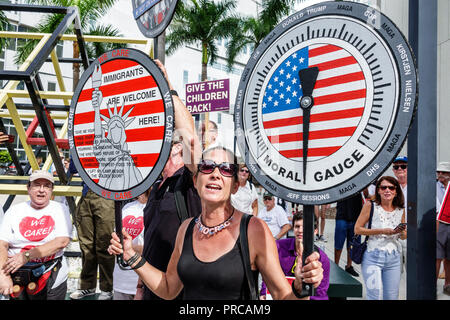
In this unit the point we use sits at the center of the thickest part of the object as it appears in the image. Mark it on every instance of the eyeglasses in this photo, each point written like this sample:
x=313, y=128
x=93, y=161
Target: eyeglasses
x=267, y=198
x=244, y=170
x=208, y=166
x=392, y=188
x=403, y=166
x=38, y=186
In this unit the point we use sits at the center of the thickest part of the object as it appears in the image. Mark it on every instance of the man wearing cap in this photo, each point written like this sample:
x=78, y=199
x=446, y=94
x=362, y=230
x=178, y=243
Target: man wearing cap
x=400, y=169
x=443, y=177
x=274, y=216
x=35, y=233
x=94, y=222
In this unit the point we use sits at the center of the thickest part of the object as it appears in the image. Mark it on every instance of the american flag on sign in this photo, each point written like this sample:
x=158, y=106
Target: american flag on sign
x=122, y=80
x=339, y=98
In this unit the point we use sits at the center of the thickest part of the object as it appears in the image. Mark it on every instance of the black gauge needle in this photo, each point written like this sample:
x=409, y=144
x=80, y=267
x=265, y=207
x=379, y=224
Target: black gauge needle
x=308, y=79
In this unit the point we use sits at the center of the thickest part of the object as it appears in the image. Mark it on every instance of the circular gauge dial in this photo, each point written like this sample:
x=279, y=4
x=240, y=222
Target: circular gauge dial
x=325, y=102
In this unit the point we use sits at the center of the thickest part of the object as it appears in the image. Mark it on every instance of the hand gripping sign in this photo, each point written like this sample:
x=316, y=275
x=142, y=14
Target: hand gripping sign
x=120, y=124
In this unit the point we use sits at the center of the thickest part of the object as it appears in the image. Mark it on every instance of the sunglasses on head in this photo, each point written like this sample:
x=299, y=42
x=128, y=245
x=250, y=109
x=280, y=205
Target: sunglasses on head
x=403, y=166
x=392, y=188
x=208, y=166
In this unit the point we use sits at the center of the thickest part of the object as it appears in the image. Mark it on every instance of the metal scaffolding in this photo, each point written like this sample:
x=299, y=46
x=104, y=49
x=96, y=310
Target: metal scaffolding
x=45, y=51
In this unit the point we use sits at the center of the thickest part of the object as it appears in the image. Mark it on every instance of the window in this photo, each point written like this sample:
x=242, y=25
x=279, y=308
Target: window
x=59, y=48
x=185, y=77
x=12, y=41
x=51, y=86
x=21, y=42
x=2, y=64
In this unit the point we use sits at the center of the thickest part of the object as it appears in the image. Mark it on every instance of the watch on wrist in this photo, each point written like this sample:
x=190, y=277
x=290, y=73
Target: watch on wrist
x=27, y=255
x=301, y=295
x=174, y=92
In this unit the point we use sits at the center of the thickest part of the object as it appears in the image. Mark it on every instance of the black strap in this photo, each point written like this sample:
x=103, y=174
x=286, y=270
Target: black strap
x=180, y=201
x=370, y=220
x=243, y=240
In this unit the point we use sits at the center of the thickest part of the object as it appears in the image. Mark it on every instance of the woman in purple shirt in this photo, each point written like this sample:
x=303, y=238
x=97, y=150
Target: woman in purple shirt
x=291, y=248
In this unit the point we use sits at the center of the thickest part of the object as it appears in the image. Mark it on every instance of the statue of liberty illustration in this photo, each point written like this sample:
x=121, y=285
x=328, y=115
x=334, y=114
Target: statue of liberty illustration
x=117, y=170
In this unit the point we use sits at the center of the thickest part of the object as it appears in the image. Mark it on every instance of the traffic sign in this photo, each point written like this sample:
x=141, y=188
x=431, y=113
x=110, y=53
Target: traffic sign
x=153, y=16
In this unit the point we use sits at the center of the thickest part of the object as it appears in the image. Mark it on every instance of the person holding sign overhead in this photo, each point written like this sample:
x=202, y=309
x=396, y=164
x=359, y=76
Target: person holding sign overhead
x=164, y=211
x=206, y=261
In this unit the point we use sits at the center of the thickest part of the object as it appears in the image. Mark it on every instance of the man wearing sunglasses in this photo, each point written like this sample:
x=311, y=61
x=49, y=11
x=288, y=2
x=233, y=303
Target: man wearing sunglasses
x=400, y=169
x=246, y=198
x=275, y=217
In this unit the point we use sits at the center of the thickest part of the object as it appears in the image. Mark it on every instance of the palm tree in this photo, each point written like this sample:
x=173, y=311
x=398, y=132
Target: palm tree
x=203, y=21
x=3, y=27
x=252, y=30
x=89, y=11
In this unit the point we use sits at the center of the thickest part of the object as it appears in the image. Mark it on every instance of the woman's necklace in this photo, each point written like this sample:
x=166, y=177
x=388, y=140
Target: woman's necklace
x=212, y=230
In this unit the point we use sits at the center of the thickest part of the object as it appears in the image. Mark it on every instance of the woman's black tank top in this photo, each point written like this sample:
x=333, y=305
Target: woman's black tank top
x=222, y=279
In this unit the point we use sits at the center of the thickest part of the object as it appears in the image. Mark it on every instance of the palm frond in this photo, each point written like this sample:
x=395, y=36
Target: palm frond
x=96, y=49
x=202, y=21
x=3, y=27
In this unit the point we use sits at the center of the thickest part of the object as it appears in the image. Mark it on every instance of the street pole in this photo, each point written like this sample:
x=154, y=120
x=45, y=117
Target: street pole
x=421, y=252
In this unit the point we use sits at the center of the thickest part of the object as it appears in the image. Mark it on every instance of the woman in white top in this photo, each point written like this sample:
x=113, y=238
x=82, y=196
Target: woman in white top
x=381, y=265
x=125, y=281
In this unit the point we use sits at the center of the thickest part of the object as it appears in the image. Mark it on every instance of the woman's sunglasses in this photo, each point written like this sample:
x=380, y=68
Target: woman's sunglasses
x=244, y=170
x=226, y=169
x=392, y=188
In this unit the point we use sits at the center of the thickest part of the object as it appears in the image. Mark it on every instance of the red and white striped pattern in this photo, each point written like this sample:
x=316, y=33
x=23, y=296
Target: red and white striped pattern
x=339, y=99
x=144, y=140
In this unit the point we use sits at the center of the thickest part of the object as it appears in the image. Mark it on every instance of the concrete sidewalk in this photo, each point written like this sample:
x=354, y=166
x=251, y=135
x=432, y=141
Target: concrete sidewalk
x=328, y=247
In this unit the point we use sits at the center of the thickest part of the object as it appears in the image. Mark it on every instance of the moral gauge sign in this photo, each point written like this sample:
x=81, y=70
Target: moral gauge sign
x=120, y=124
x=153, y=16
x=325, y=102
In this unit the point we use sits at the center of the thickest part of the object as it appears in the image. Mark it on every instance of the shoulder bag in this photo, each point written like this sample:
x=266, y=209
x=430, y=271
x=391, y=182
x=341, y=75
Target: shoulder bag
x=357, y=248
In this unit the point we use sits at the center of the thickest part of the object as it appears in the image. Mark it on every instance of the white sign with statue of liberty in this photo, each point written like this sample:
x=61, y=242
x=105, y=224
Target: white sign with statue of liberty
x=120, y=124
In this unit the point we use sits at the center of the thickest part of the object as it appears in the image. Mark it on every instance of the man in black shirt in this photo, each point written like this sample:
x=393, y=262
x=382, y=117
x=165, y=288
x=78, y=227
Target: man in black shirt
x=164, y=211
x=347, y=212
x=161, y=216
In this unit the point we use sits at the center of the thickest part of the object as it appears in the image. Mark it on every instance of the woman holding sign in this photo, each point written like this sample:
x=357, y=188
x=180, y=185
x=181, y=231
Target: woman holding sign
x=207, y=261
x=381, y=265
